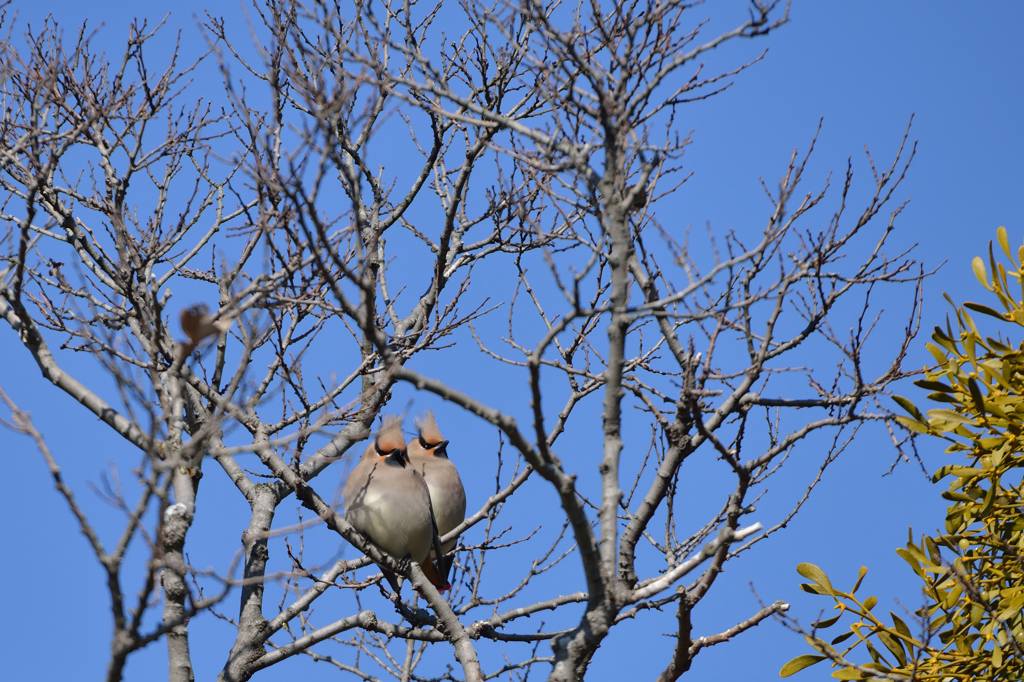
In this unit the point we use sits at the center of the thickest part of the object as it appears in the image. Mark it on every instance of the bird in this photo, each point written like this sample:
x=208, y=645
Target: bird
x=428, y=453
x=198, y=324
x=388, y=501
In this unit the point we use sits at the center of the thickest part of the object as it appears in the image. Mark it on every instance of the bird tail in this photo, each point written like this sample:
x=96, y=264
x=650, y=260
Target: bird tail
x=432, y=573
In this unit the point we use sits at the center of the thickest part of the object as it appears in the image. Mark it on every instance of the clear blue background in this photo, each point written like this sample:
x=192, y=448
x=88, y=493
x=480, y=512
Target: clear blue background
x=864, y=68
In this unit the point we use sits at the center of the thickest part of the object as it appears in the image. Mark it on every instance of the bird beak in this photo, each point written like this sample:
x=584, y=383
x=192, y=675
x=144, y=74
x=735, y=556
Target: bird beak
x=441, y=448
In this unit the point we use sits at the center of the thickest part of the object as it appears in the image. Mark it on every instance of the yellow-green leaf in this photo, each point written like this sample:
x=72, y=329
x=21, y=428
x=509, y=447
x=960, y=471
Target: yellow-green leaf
x=956, y=470
x=990, y=498
x=860, y=578
x=1003, y=241
x=979, y=400
x=929, y=385
x=985, y=310
x=910, y=407
x=950, y=415
x=937, y=352
x=799, y=663
x=816, y=574
x=815, y=589
x=843, y=637
x=894, y=646
x=979, y=271
x=826, y=623
x=910, y=424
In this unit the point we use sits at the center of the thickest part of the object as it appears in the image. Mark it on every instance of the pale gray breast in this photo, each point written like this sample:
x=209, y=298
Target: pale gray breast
x=390, y=506
x=447, y=495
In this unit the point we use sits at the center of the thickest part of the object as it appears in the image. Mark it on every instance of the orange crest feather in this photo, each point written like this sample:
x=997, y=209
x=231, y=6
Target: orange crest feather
x=390, y=435
x=428, y=428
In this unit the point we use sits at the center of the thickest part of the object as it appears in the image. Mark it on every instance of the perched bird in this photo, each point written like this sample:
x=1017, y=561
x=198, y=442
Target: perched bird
x=198, y=324
x=388, y=501
x=429, y=455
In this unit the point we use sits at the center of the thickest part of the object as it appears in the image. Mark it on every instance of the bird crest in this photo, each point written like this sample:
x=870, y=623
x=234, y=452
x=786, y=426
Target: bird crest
x=390, y=437
x=428, y=428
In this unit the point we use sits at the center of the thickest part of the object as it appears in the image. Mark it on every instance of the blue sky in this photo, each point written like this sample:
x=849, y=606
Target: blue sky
x=865, y=69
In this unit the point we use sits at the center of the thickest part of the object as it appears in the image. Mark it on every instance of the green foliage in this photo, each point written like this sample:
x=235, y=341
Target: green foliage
x=972, y=626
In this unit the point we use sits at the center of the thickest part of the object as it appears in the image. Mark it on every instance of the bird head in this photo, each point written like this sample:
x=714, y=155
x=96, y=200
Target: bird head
x=389, y=445
x=430, y=440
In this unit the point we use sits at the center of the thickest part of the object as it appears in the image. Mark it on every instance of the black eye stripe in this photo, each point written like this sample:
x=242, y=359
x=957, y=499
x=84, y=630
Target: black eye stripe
x=397, y=453
x=430, y=446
